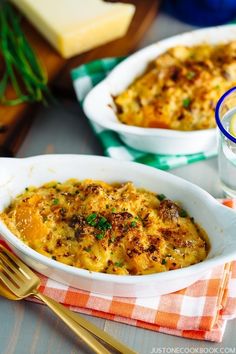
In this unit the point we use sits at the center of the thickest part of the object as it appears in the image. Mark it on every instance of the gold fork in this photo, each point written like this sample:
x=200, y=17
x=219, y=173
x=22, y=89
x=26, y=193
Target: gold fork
x=22, y=282
x=5, y=292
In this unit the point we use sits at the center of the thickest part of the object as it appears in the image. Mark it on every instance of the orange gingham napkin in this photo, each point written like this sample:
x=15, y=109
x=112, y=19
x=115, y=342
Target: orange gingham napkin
x=200, y=311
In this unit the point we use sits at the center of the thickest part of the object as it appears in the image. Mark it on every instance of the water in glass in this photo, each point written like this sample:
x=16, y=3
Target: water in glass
x=227, y=158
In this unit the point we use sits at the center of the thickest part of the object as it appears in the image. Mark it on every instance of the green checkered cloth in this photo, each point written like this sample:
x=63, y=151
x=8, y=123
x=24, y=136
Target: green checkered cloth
x=84, y=79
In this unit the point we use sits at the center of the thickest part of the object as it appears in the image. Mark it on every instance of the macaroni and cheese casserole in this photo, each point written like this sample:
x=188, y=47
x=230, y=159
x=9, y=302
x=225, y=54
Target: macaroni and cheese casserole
x=180, y=89
x=116, y=228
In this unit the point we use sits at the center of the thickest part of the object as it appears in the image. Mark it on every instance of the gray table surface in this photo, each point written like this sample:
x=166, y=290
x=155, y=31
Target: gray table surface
x=29, y=328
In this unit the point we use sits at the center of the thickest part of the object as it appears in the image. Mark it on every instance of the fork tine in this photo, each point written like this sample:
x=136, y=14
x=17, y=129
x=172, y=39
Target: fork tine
x=11, y=270
x=15, y=274
x=7, y=275
x=24, y=269
x=11, y=264
x=8, y=282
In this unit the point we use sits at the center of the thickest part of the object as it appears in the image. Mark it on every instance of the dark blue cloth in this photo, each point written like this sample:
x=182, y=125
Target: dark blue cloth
x=202, y=12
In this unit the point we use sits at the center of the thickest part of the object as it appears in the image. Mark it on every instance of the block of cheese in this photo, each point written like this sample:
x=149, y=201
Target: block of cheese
x=75, y=26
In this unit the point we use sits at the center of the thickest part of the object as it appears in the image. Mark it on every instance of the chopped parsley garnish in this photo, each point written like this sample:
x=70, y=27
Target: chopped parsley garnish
x=118, y=264
x=183, y=213
x=55, y=201
x=163, y=261
x=161, y=197
x=186, y=102
x=26, y=189
x=133, y=223
x=113, y=210
x=190, y=75
x=54, y=258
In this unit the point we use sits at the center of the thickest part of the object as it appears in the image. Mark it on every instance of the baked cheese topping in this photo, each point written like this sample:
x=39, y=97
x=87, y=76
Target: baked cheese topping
x=115, y=229
x=180, y=89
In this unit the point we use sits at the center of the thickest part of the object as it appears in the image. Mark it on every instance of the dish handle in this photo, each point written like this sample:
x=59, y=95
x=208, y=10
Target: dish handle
x=227, y=219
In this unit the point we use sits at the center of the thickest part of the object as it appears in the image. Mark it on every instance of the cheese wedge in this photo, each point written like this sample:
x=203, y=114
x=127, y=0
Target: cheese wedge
x=75, y=26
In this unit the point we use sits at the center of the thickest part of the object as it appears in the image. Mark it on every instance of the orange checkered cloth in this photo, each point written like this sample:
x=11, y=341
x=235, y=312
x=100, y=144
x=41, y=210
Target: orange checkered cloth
x=200, y=311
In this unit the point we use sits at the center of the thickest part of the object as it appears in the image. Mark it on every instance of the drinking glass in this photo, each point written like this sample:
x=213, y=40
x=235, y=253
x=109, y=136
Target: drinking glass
x=225, y=116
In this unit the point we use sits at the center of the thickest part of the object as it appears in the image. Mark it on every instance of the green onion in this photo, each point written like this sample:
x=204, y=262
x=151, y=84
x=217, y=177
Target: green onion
x=55, y=201
x=91, y=219
x=163, y=261
x=100, y=236
x=87, y=249
x=186, y=102
x=183, y=213
x=161, y=197
x=118, y=264
x=103, y=224
x=133, y=224
x=102, y=221
x=111, y=240
x=23, y=71
x=190, y=75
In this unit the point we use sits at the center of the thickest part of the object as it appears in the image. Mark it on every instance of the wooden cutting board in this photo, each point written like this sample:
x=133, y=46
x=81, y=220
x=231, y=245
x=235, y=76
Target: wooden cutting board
x=15, y=121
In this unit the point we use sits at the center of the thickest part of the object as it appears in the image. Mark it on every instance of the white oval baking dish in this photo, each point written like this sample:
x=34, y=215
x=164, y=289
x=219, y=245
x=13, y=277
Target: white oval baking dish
x=218, y=221
x=99, y=106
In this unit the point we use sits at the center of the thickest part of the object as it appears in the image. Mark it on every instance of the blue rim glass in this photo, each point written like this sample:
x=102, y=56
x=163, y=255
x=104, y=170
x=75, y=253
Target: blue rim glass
x=217, y=114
